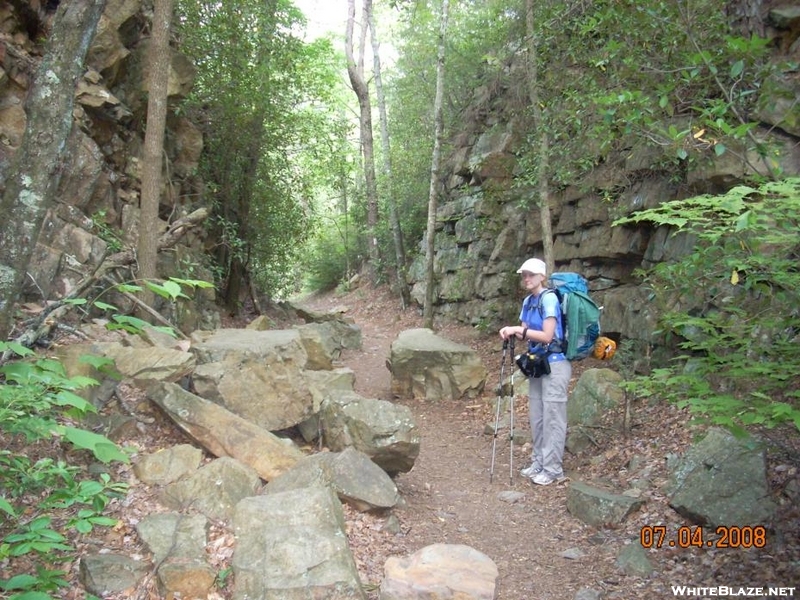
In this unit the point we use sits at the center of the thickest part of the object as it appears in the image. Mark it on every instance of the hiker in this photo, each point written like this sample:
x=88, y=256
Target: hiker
x=547, y=408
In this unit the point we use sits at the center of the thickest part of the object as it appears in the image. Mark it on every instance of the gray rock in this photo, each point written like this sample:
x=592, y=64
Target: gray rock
x=323, y=384
x=214, y=490
x=722, y=480
x=598, y=507
x=151, y=363
x=426, y=366
x=103, y=574
x=173, y=534
x=510, y=496
x=350, y=473
x=573, y=553
x=325, y=340
x=223, y=433
x=383, y=430
x=292, y=545
x=597, y=392
x=633, y=560
x=178, y=544
x=588, y=594
x=167, y=465
x=257, y=375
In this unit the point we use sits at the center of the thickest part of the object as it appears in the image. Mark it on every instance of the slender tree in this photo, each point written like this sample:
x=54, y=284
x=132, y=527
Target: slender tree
x=543, y=163
x=356, y=73
x=36, y=169
x=427, y=311
x=394, y=220
x=158, y=61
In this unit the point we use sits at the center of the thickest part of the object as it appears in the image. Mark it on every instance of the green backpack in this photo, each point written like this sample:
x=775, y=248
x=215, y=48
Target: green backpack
x=580, y=315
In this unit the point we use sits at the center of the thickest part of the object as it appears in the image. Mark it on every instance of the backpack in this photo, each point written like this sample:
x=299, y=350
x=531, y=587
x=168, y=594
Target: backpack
x=580, y=315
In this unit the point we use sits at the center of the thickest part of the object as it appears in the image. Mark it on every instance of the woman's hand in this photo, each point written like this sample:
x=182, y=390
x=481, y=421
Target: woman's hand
x=511, y=330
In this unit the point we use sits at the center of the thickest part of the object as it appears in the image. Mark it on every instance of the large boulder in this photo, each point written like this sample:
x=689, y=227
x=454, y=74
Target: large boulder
x=293, y=545
x=351, y=474
x=722, y=480
x=223, y=433
x=597, y=393
x=598, y=507
x=258, y=375
x=384, y=431
x=429, y=367
x=214, y=489
x=178, y=543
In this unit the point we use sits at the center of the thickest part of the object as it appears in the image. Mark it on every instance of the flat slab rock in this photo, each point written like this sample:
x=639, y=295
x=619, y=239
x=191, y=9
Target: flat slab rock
x=440, y=571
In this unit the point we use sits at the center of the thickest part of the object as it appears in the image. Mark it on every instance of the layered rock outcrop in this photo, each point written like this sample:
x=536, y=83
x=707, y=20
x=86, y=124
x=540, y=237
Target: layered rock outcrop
x=484, y=232
x=101, y=182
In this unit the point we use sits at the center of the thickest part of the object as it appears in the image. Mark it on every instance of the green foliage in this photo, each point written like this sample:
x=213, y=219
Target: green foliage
x=61, y=495
x=34, y=536
x=28, y=585
x=223, y=577
x=37, y=402
x=54, y=495
x=271, y=112
x=733, y=305
x=329, y=256
x=106, y=233
x=476, y=46
x=36, y=393
x=663, y=80
x=172, y=289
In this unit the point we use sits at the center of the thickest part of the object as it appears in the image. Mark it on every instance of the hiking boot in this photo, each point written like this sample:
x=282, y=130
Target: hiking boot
x=531, y=472
x=545, y=479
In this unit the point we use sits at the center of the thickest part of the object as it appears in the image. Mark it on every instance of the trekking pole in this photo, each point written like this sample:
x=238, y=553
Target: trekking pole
x=511, y=425
x=497, y=407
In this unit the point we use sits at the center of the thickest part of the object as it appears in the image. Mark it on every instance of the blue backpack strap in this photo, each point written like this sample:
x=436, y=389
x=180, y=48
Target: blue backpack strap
x=557, y=345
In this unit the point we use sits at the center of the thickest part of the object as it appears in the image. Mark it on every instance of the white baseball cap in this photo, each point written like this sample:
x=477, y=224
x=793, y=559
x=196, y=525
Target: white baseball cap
x=533, y=265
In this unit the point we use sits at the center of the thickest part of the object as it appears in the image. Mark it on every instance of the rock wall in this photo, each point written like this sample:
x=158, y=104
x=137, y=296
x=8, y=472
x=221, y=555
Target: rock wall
x=101, y=183
x=482, y=234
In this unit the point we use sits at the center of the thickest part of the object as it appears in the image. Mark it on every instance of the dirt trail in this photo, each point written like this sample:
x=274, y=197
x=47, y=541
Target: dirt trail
x=448, y=494
x=541, y=551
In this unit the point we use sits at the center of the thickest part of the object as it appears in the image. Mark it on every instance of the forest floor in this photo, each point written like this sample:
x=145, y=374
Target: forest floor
x=542, y=552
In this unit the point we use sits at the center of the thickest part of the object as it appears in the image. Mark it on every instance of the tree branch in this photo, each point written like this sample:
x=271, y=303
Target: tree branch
x=50, y=316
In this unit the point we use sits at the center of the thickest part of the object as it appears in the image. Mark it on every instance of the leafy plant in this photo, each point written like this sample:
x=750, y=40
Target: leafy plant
x=38, y=401
x=106, y=233
x=23, y=476
x=95, y=495
x=733, y=306
x=223, y=576
x=33, y=587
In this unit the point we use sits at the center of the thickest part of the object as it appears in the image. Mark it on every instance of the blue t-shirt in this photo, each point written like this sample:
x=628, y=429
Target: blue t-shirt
x=533, y=318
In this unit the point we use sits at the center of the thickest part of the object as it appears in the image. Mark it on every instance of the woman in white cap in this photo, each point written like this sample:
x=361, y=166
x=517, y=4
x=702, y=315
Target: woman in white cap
x=542, y=328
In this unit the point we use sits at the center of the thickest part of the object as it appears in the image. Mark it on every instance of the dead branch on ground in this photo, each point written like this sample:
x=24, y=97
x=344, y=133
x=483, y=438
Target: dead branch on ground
x=51, y=315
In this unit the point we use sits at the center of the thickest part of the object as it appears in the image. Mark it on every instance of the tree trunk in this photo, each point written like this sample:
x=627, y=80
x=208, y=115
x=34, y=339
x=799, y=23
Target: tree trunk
x=36, y=169
x=394, y=221
x=745, y=17
x=158, y=62
x=356, y=74
x=238, y=266
x=543, y=171
x=427, y=312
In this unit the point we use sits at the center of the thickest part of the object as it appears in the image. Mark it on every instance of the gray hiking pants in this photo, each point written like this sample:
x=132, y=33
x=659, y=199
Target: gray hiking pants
x=547, y=410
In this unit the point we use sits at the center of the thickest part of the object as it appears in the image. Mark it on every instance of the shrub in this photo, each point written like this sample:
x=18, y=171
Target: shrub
x=733, y=306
